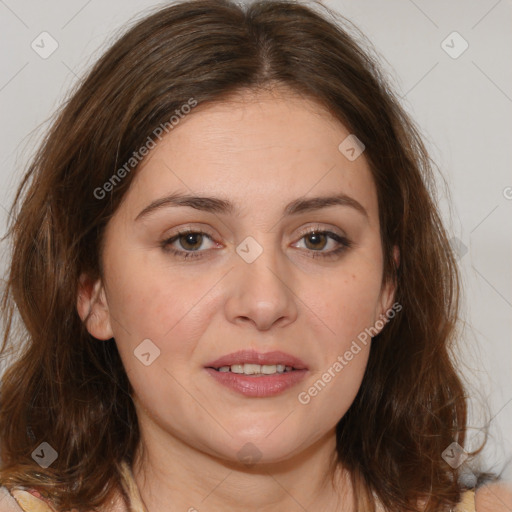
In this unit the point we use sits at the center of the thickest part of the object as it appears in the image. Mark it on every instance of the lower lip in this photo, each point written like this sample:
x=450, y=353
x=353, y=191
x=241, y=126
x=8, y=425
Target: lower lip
x=260, y=387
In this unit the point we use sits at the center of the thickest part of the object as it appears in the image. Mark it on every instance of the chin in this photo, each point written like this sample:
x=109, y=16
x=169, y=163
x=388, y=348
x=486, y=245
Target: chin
x=260, y=449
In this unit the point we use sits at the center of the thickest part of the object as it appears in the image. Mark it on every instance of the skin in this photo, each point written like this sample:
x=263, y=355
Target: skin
x=260, y=150
x=494, y=497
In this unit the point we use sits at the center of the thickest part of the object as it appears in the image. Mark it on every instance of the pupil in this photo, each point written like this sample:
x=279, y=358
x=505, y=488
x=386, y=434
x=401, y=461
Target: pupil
x=190, y=239
x=315, y=238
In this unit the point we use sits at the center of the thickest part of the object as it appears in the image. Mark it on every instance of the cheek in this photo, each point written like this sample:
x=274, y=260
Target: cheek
x=165, y=305
x=358, y=299
x=347, y=303
x=347, y=309
x=170, y=309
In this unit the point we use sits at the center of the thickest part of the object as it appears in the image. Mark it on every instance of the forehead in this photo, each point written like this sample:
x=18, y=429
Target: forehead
x=255, y=149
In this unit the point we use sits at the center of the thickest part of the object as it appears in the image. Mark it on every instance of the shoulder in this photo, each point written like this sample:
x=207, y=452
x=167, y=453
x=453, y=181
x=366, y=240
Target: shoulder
x=21, y=499
x=495, y=497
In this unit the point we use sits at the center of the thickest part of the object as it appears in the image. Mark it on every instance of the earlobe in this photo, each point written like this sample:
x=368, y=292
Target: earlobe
x=389, y=289
x=393, y=281
x=396, y=256
x=93, y=309
x=387, y=297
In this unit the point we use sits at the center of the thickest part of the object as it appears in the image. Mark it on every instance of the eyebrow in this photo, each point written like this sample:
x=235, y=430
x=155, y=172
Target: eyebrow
x=224, y=206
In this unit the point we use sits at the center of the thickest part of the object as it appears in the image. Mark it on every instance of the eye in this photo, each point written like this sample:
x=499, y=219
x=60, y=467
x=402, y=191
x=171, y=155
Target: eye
x=189, y=241
x=190, y=244
x=316, y=240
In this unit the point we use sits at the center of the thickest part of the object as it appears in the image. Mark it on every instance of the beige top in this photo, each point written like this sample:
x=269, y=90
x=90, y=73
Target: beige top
x=22, y=500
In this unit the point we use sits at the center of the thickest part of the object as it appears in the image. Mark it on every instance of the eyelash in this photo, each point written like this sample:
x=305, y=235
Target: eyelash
x=343, y=241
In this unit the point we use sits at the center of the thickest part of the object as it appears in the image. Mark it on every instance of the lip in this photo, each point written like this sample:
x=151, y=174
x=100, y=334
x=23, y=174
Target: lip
x=254, y=357
x=260, y=386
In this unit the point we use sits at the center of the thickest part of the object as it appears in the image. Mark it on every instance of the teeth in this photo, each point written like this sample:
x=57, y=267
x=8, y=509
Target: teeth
x=251, y=369
x=256, y=369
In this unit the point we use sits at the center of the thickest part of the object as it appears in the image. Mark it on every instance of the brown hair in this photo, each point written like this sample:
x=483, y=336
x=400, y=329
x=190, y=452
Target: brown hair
x=73, y=393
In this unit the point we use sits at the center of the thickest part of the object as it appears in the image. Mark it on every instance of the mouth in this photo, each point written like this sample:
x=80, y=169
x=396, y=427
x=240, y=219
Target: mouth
x=255, y=374
x=251, y=362
x=256, y=370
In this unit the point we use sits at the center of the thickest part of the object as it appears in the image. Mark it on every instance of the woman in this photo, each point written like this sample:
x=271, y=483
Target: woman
x=237, y=290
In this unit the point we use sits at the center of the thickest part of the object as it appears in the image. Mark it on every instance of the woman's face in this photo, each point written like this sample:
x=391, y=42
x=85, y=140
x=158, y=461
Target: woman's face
x=254, y=281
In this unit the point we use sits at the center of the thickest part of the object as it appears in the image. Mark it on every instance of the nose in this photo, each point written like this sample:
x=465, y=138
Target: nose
x=261, y=292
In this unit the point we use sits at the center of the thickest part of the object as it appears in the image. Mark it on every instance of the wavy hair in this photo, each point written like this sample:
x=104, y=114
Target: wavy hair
x=66, y=388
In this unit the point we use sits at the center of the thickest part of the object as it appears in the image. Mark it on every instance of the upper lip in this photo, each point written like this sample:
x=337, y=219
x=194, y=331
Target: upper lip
x=254, y=357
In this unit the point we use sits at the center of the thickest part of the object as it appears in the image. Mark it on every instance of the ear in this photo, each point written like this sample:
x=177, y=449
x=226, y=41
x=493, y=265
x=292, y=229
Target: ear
x=93, y=309
x=388, y=291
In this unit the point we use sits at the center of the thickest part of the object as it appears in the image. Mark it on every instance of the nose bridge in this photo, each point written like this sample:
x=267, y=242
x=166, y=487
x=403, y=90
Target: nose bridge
x=260, y=263
x=261, y=291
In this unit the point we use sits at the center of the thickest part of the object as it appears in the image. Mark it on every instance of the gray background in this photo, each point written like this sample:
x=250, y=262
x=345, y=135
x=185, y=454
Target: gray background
x=463, y=104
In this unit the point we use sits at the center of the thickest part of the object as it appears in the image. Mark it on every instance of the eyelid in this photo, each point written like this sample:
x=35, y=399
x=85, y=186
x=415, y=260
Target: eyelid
x=190, y=229
x=323, y=229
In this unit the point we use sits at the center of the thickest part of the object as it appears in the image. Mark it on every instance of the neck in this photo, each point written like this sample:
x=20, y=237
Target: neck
x=173, y=476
